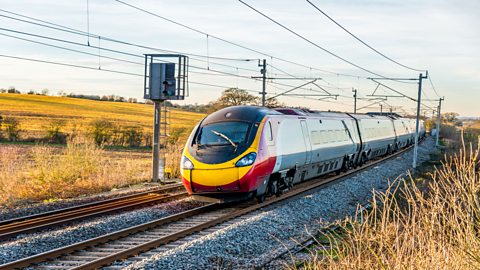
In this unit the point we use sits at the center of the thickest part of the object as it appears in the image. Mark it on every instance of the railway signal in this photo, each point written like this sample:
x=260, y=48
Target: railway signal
x=164, y=79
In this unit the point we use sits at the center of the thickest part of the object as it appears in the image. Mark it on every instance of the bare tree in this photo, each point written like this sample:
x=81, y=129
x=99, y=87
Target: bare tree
x=235, y=97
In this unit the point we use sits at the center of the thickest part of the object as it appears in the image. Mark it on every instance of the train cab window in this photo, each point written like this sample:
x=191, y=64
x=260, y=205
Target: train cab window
x=223, y=133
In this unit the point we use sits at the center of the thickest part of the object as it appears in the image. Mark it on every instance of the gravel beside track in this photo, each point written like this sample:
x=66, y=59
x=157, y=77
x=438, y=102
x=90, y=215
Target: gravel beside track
x=250, y=241
x=32, y=244
x=31, y=209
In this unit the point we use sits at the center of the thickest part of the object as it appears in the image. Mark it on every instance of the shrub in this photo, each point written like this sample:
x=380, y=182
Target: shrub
x=12, y=128
x=12, y=90
x=148, y=139
x=101, y=131
x=177, y=134
x=132, y=136
x=54, y=133
x=117, y=137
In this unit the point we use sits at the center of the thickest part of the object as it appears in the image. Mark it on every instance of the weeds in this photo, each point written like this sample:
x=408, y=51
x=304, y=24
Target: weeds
x=11, y=126
x=413, y=228
x=54, y=132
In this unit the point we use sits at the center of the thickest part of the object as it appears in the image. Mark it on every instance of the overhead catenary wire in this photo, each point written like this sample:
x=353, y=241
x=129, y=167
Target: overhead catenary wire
x=291, y=90
x=433, y=86
x=360, y=40
x=309, y=41
x=134, y=74
x=138, y=63
x=82, y=33
x=230, y=42
x=396, y=91
x=106, y=70
x=76, y=31
x=223, y=74
x=104, y=49
x=129, y=54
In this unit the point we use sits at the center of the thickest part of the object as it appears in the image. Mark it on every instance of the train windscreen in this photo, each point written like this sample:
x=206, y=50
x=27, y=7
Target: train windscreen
x=223, y=133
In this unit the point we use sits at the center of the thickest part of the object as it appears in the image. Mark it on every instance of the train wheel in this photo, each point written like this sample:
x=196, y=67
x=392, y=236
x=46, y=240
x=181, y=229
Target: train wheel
x=345, y=166
x=363, y=160
x=261, y=198
x=274, y=190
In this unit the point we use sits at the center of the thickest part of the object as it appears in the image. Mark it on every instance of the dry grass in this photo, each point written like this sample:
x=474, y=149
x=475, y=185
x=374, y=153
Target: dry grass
x=413, y=228
x=36, y=173
x=173, y=154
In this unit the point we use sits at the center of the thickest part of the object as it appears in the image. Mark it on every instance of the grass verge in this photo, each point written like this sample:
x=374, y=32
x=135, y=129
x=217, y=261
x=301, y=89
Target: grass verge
x=37, y=173
x=412, y=227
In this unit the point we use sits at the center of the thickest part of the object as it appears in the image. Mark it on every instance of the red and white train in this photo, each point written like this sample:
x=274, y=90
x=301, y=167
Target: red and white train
x=246, y=151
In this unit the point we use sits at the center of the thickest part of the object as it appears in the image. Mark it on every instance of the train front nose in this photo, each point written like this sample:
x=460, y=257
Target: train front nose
x=212, y=180
x=205, y=178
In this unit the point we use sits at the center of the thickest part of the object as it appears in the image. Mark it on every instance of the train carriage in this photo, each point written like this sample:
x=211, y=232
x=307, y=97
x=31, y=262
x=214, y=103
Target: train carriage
x=244, y=151
x=378, y=135
x=403, y=133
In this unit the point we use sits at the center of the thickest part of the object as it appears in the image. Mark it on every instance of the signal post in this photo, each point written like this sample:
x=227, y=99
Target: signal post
x=165, y=78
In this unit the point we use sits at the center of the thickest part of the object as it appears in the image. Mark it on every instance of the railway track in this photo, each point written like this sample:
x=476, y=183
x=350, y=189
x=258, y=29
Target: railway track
x=163, y=234
x=11, y=228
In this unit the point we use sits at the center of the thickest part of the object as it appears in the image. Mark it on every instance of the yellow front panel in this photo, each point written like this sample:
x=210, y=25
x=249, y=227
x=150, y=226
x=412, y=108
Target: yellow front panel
x=215, y=177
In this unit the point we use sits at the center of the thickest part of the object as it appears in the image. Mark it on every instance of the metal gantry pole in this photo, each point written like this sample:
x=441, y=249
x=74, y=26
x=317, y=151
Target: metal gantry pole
x=264, y=80
x=354, y=100
x=417, y=122
x=156, y=141
x=439, y=116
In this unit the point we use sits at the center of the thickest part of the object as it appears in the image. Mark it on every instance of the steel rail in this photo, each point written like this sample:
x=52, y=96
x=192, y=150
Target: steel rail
x=301, y=189
x=13, y=227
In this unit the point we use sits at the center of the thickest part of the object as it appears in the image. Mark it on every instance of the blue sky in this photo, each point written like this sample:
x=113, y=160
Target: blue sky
x=441, y=36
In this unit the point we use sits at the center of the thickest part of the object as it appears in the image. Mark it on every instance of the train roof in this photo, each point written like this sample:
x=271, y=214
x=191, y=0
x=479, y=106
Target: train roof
x=256, y=113
x=239, y=113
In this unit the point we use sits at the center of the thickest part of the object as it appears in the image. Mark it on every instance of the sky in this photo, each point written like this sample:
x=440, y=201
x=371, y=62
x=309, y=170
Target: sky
x=442, y=37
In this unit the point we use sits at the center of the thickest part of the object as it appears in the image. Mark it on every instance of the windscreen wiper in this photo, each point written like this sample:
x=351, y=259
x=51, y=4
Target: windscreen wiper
x=226, y=138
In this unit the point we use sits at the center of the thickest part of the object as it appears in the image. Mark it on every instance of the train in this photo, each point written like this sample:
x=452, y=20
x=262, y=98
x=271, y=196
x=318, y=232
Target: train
x=241, y=152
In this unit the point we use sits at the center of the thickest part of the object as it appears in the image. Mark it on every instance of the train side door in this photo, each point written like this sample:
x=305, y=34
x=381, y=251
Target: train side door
x=306, y=139
x=270, y=134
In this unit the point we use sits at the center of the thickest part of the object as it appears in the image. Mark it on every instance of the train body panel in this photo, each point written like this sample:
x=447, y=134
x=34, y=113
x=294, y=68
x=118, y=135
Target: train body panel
x=402, y=130
x=253, y=151
x=377, y=133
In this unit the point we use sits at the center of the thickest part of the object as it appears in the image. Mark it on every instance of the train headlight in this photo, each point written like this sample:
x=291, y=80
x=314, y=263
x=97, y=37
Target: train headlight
x=186, y=163
x=246, y=160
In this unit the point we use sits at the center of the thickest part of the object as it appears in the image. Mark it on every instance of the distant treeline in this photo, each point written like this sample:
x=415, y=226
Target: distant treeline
x=200, y=108
x=102, y=132
x=45, y=92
